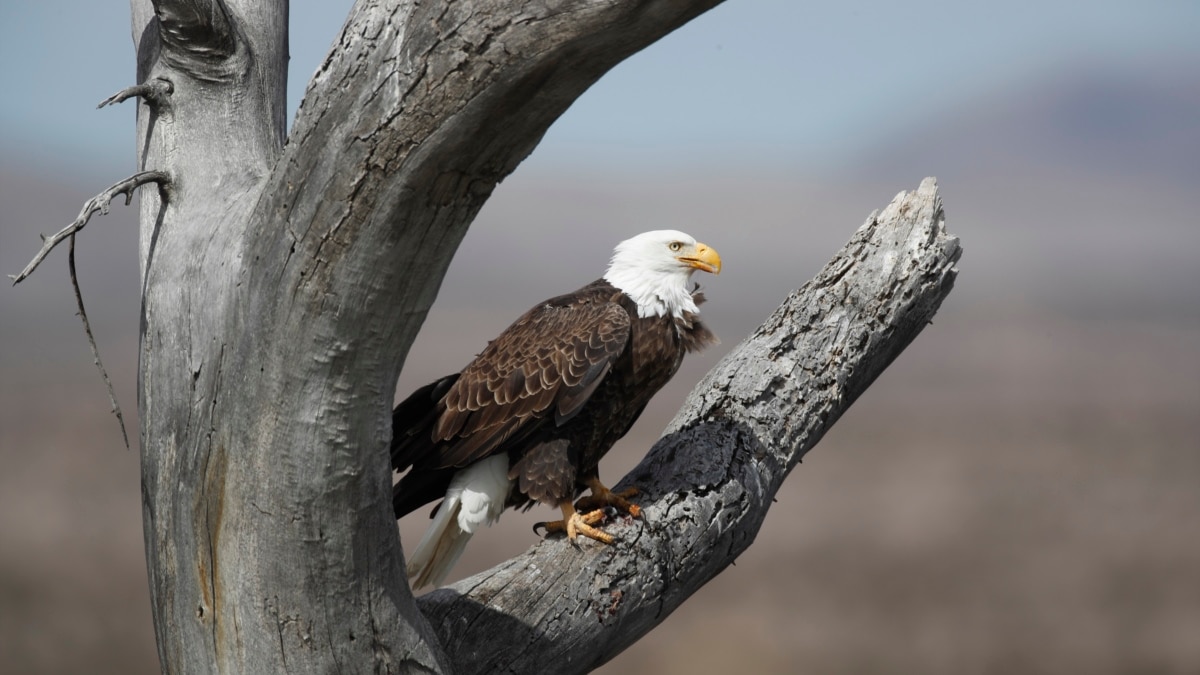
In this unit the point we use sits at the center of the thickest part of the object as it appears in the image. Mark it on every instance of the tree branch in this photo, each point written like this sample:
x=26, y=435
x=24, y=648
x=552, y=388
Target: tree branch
x=101, y=203
x=707, y=484
x=87, y=328
x=155, y=91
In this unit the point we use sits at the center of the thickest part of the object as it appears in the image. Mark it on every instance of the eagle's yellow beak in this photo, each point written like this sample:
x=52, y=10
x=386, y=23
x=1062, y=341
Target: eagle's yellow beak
x=703, y=258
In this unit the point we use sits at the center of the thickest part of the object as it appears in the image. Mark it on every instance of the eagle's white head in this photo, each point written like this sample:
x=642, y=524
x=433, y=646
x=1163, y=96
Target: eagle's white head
x=654, y=268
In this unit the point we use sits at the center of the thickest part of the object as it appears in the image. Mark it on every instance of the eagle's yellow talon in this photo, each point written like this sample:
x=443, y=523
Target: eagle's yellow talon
x=602, y=497
x=582, y=524
x=575, y=523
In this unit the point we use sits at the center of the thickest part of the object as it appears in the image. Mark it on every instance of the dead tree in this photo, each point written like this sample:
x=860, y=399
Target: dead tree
x=284, y=278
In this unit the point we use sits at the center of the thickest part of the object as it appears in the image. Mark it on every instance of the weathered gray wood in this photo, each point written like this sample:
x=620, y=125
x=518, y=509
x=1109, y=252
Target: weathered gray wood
x=707, y=484
x=217, y=134
x=283, y=284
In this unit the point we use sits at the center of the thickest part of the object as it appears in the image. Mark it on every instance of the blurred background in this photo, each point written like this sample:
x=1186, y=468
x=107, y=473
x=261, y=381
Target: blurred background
x=1019, y=493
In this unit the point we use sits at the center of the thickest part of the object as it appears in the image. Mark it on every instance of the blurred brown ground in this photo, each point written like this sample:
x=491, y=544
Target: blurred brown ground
x=1019, y=493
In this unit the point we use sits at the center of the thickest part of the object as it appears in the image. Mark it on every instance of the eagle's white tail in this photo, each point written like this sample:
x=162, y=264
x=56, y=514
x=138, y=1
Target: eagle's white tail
x=475, y=497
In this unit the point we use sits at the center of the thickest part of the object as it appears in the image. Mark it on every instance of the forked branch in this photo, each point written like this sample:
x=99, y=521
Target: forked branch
x=101, y=203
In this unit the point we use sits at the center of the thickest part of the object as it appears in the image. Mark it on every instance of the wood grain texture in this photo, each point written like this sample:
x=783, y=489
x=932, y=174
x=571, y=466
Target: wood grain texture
x=708, y=483
x=217, y=136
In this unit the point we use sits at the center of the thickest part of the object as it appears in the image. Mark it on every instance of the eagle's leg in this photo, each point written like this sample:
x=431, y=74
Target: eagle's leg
x=602, y=497
x=575, y=523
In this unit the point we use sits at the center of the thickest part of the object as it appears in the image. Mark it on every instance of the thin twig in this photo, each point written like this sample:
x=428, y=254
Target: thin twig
x=99, y=203
x=154, y=91
x=87, y=328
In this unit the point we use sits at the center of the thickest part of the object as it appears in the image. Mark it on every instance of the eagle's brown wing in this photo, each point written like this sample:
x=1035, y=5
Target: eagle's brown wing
x=541, y=370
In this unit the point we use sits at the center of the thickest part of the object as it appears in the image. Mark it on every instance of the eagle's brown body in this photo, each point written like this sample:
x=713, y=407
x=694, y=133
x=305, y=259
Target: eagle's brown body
x=554, y=392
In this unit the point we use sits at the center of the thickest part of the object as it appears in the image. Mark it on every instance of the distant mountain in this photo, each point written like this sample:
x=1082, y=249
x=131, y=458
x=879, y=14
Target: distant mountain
x=1076, y=192
x=1117, y=121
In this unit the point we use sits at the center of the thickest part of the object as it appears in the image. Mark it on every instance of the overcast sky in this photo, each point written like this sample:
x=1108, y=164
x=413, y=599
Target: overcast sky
x=800, y=82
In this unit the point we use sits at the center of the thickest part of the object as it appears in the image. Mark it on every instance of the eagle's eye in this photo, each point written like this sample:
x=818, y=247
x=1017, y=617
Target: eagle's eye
x=675, y=245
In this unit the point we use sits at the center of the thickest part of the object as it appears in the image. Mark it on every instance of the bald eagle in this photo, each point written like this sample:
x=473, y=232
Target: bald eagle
x=529, y=419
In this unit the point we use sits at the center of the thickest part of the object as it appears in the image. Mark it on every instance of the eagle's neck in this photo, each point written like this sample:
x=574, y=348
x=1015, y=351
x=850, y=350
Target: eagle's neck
x=657, y=293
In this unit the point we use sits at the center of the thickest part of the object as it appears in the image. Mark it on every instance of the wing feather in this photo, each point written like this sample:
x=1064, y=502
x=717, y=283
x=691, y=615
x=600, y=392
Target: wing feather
x=541, y=370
